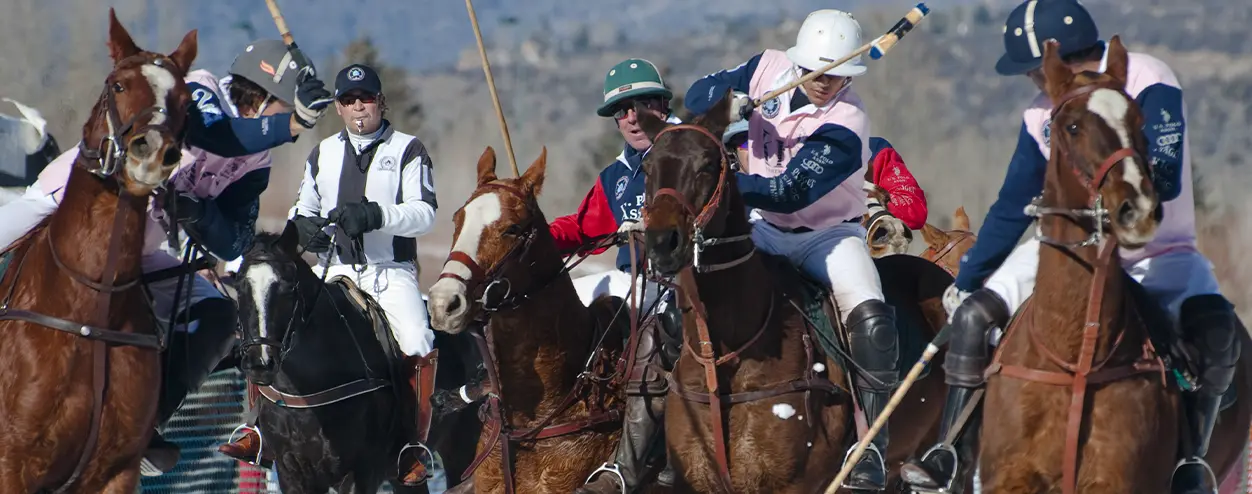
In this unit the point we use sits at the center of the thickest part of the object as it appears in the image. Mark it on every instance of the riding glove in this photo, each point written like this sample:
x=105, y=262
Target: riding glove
x=184, y=207
x=311, y=235
x=357, y=218
x=312, y=99
x=740, y=107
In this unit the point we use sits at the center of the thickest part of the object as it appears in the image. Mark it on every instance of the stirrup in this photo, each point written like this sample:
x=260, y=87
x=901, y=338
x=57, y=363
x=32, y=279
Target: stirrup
x=430, y=454
x=1196, y=461
x=610, y=468
x=881, y=462
x=947, y=486
x=260, y=447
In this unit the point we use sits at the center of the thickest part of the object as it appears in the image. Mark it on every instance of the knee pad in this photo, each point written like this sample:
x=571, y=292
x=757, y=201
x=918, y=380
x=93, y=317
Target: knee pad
x=1209, y=322
x=971, y=324
x=873, y=336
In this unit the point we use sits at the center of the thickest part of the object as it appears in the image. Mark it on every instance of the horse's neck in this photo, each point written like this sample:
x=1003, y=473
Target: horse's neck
x=1064, y=286
x=737, y=299
x=551, y=326
x=333, y=332
x=83, y=227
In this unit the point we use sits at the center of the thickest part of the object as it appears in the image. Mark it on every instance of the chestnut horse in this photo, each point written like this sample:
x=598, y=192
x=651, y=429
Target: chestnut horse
x=79, y=363
x=946, y=247
x=752, y=349
x=547, y=355
x=1078, y=394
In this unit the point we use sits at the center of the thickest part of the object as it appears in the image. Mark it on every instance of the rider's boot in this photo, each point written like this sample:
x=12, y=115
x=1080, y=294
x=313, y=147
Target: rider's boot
x=248, y=448
x=875, y=347
x=422, y=381
x=192, y=356
x=1210, y=323
x=642, y=430
x=448, y=401
x=964, y=365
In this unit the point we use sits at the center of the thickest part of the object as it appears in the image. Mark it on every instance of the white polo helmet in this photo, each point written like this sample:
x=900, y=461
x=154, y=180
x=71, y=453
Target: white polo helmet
x=828, y=35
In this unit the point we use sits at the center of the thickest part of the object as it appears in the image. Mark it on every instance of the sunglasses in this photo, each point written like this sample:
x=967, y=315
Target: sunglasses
x=352, y=98
x=625, y=107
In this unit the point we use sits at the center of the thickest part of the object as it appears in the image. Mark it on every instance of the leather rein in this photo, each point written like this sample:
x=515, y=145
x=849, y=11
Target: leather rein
x=109, y=156
x=1084, y=371
x=493, y=291
x=706, y=355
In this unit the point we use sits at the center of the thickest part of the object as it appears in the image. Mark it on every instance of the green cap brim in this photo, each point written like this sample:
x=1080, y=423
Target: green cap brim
x=606, y=109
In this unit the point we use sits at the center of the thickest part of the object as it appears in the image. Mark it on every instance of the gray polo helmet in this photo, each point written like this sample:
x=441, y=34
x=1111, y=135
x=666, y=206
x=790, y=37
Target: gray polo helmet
x=269, y=64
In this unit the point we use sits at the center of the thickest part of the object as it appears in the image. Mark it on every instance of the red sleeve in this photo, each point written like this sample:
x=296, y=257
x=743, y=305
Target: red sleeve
x=908, y=201
x=594, y=219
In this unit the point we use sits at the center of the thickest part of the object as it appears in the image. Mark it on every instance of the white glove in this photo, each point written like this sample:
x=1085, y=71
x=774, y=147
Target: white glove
x=629, y=226
x=952, y=298
x=738, y=106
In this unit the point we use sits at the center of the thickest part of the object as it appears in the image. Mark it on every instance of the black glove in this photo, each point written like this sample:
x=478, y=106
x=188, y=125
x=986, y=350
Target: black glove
x=311, y=235
x=183, y=207
x=357, y=218
x=312, y=99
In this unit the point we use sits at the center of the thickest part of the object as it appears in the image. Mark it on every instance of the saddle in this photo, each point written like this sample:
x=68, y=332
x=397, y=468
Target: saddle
x=368, y=307
x=817, y=303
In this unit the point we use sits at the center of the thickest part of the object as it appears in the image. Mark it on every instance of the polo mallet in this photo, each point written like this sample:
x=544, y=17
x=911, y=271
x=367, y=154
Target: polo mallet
x=491, y=85
x=931, y=349
x=876, y=48
x=290, y=41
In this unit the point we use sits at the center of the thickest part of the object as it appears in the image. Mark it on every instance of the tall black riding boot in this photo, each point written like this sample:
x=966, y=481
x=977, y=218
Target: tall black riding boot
x=964, y=365
x=1210, y=323
x=642, y=429
x=190, y=358
x=875, y=348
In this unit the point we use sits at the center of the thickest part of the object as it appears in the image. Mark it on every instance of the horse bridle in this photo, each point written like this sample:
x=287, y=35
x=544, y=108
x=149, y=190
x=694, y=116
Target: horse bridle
x=113, y=148
x=943, y=252
x=703, y=216
x=1095, y=210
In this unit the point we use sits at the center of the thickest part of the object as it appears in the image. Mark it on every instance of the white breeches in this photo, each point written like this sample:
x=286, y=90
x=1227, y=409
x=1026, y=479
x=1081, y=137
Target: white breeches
x=836, y=256
x=1171, y=278
x=617, y=283
x=23, y=213
x=396, y=290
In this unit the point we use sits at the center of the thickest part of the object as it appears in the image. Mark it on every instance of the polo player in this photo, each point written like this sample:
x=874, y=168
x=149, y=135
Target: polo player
x=233, y=122
x=996, y=278
x=803, y=179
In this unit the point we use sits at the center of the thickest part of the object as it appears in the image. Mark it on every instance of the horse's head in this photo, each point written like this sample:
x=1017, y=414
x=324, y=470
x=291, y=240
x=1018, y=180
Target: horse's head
x=490, y=259
x=690, y=187
x=945, y=248
x=137, y=125
x=885, y=233
x=1095, y=135
x=271, y=285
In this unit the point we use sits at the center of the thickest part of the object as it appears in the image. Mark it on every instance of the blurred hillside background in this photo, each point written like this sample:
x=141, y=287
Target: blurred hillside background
x=935, y=97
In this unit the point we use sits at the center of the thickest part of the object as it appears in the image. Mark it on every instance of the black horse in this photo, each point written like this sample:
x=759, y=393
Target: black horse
x=305, y=337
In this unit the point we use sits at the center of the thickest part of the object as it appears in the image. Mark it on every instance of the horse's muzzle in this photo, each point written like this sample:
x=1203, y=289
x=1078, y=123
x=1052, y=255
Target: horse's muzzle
x=667, y=251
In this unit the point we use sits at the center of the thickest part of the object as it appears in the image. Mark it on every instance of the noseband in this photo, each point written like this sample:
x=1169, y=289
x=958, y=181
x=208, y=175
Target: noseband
x=1095, y=210
x=481, y=283
x=703, y=216
x=113, y=147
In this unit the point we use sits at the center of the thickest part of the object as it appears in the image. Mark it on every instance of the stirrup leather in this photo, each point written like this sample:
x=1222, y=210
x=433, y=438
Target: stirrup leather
x=260, y=442
x=1197, y=461
x=429, y=454
x=609, y=468
x=881, y=461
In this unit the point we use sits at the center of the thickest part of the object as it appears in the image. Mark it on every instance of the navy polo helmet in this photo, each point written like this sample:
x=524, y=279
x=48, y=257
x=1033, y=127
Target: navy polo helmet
x=1036, y=21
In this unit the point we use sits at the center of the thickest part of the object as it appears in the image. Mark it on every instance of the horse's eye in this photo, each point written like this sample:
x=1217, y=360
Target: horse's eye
x=117, y=87
x=1072, y=129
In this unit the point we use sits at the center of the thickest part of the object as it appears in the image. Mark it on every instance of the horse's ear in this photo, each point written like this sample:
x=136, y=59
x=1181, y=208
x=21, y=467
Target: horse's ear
x=1117, y=59
x=487, y=166
x=120, y=43
x=1057, y=75
x=717, y=119
x=960, y=220
x=532, y=179
x=934, y=237
x=649, y=123
x=186, y=52
x=289, y=241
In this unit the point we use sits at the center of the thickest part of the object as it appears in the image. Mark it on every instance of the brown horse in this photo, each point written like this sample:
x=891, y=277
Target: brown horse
x=548, y=356
x=1078, y=394
x=945, y=247
x=79, y=366
x=784, y=422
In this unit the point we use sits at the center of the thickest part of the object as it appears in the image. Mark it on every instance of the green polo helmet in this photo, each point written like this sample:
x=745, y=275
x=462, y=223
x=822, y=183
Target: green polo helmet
x=631, y=78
